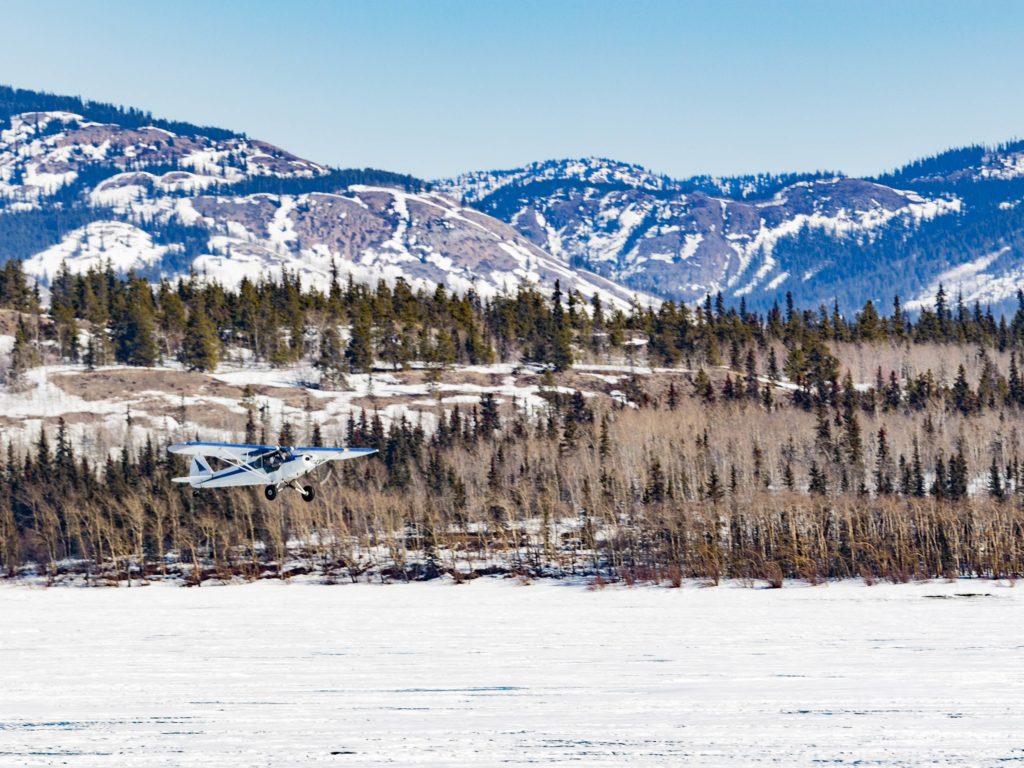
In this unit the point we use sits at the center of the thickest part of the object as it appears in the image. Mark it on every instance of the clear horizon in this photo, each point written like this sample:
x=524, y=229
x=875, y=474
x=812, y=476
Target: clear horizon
x=448, y=87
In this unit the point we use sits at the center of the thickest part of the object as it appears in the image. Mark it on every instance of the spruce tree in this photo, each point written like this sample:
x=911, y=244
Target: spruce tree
x=788, y=479
x=560, y=342
x=818, y=484
x=135, y=330
x=1016, y=385
x=956, y=482
x=702, y=384
x=995, y=481
x=201, y=347
x=963, y=397
x=883, y=466
x=23, y=355
x=490, y=419
x=753, y=387
x=906, y=479
x=604, y=442
x=287, y=435
x=359, y=353
x=714, y=490
x=331, y=361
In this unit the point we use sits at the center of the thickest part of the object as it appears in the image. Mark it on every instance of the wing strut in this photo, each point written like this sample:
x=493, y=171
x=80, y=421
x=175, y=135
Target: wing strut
x=243, y=465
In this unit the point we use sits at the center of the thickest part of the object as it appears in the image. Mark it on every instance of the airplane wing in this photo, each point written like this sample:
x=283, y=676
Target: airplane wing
x=335, y=454
x=268, y=465
x=232, y=452
x=236, y=452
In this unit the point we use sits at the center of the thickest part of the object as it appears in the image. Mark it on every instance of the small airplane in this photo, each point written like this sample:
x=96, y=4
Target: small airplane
x=272, y=466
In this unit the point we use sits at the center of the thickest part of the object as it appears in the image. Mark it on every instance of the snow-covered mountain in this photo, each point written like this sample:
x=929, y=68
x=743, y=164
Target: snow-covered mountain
x=684, y=239
x=160, y=203
x=677, y=239
x=88, y=184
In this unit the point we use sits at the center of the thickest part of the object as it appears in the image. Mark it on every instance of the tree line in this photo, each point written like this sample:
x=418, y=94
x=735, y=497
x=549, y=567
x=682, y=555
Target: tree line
x=658, y=493
x=131, y=320
x=748, y=450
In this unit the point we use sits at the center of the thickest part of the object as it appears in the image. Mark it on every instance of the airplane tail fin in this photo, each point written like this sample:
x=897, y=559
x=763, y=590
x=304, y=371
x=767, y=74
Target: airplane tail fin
x=199, y=467
x=198, y=470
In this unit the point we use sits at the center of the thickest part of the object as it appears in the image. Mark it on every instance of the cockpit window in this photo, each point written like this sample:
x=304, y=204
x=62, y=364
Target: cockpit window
x=272, y=461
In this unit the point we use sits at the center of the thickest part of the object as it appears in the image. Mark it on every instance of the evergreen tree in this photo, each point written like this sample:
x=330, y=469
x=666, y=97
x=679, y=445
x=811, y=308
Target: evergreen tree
x=359, y=352
x=287, y=435
x=917, y=472
x=1016, y=385
x=201, y=347
x=773, y=365
x=818, y=483
x=906, y=478
x=490, y=419
x=702, y=384
x=135, y=328
x=714, y=490
x=883, y=466
x=753, y=387
x=24, y=354
x=787, y=476
x=561, y=334
x=995, y=481
x=331, y=361
x=963, y=397
x=956, y=482
x=604, y=441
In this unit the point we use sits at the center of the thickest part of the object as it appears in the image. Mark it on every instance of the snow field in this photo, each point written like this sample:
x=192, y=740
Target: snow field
x=494, y=672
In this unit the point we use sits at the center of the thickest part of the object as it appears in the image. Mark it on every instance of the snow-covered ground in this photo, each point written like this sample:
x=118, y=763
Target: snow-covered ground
x=494, y=672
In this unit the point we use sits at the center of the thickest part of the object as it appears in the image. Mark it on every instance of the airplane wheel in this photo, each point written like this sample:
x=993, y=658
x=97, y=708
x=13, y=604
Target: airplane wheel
x=308, y=493
x=270, y=492
x=195, y=494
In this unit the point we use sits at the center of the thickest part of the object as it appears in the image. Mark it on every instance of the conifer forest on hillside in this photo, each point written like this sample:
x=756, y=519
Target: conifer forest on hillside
x=798, y=443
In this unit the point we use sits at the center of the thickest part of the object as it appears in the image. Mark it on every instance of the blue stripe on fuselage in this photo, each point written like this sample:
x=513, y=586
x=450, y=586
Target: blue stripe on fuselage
x=271, y=448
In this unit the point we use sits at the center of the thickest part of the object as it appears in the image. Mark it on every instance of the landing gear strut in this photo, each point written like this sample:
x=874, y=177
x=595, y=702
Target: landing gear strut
x=270, y=492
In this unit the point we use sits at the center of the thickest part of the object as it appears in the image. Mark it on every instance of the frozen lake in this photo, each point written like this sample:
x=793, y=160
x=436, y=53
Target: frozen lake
x=495, y=673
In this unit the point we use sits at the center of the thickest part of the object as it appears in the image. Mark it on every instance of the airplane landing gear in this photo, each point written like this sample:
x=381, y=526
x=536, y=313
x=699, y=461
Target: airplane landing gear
x=308, y=493
x=270, y=492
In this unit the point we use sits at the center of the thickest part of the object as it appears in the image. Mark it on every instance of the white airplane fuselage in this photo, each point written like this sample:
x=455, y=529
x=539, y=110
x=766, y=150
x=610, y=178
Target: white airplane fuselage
x=270, y=466
x=289, y=470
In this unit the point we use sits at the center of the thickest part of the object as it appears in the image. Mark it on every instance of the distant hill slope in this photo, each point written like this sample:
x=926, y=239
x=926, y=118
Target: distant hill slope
x=953, y=218
x=88, y=182
x=93, y=183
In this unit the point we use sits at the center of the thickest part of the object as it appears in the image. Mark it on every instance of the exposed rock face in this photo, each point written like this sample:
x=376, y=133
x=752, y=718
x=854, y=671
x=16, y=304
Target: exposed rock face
x=144, y=188
x=148, y=199
x=683, y=239
x=377, y=233
x=41, y=152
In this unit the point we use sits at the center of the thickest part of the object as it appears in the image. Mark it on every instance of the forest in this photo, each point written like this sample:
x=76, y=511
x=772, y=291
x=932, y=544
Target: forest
x=797, y=443
x=14, y=101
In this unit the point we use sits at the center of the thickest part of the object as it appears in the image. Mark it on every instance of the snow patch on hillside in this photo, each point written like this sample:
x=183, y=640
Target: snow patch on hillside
x=973, y=282
x=123, y=246
x=1002, y=166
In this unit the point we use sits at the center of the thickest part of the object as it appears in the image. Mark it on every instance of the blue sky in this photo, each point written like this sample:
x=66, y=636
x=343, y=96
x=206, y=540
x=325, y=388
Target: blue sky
x=436, y=88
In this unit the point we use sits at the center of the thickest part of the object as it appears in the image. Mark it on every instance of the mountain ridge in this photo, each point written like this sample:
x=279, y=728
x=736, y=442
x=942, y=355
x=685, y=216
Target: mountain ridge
x=848, y=241
x=145, y=196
